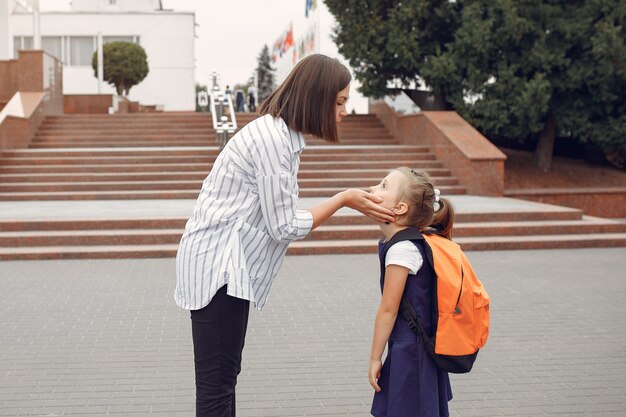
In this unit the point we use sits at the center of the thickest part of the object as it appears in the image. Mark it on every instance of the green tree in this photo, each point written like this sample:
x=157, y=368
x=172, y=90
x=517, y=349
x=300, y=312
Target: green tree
x=402, y=41
x=125, y=65
x=265, y=74
x=538, y=69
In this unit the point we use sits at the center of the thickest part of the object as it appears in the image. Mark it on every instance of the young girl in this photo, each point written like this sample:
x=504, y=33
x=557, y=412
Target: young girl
x=408, y=384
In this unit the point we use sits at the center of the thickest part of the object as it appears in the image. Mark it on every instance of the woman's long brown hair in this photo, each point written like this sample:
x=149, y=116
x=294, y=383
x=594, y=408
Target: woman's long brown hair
x=307, y=99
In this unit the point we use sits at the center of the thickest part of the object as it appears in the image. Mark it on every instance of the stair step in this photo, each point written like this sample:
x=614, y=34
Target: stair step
x=77, y=183
x=87, y=176
x=328, y=247
x=78, y=140
x=89, y=252
x=73, y=127
x=110, y=132
x=92, y=225
x=316, y=247
x=204, y=142
x=482, y=229
x=330, y=191
x=159, y=193
x=150, y=159
x=204, y=151
x=91, y=237
x=116, y=145
x=466, y=223
x=182, y=167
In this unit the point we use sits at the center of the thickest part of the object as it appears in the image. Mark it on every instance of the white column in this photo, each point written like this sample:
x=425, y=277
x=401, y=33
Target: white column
x=36, y=26
x=6, y=38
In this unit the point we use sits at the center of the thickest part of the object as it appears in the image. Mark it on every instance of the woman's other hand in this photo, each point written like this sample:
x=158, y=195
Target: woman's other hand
x=368, y=204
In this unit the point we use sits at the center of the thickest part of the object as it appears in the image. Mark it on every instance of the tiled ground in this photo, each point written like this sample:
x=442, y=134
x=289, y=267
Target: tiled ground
x=95, y=338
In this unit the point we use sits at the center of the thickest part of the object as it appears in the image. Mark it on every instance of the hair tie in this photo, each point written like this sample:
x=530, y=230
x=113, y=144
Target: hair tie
x=436, y=205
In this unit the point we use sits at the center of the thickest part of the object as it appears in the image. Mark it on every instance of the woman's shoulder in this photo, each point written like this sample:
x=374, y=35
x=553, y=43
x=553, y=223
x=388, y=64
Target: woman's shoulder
x=261, y=138
x=266, y=127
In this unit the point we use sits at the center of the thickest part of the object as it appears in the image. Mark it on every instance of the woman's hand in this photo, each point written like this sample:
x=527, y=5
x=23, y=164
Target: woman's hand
x=367, y=204
x=374, y=373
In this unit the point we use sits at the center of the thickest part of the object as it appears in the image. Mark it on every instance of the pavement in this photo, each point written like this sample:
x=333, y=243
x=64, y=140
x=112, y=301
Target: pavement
x=104, y=338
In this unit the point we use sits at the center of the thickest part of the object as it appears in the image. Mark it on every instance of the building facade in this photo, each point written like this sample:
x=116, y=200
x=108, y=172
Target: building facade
x=167, y=37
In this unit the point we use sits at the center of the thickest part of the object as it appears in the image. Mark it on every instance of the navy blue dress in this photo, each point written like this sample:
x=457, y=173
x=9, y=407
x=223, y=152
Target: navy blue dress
x=411, y=385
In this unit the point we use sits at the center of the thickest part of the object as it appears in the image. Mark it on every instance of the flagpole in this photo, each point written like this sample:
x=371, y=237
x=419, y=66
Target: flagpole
x=319, y=26
x=36, y=26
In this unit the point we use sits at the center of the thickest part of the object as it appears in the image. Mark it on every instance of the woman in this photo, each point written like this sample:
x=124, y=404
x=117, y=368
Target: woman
x=246, y=215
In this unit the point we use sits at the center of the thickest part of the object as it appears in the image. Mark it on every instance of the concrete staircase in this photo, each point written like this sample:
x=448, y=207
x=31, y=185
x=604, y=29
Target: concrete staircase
x=178, y=173
x=159, y=156
x=172, y=129
x=84, y=162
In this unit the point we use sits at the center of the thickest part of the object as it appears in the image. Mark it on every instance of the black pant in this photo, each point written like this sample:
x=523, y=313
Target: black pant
x=218, y=331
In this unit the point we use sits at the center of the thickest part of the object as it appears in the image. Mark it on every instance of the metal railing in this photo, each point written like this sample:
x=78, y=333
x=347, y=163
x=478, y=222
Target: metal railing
x=222, y=113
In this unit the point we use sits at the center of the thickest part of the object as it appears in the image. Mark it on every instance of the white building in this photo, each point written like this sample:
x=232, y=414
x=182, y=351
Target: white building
x=166, y=36
x=311, y=32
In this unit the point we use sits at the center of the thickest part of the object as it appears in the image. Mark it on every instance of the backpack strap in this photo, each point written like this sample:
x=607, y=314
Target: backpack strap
x=413, y=234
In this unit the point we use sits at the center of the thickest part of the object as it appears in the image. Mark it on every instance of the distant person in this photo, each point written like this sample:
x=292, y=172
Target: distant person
x=408, y=383
x=227, y=91
x=239, y=100
x=252, y=98
x=251, y=102
x=247, y=214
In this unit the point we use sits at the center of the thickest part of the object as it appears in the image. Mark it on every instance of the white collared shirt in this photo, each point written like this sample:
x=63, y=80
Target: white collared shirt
x=244, y=218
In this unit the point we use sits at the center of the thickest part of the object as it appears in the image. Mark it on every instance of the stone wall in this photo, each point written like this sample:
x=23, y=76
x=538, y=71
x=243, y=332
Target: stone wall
x=87, y=103
x=38, y=77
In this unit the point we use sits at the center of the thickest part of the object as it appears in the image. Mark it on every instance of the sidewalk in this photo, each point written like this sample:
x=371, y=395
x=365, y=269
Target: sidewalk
x=96, y=338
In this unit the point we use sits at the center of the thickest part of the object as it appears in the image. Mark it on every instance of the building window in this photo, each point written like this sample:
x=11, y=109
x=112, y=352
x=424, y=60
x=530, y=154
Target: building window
x=81, y=50
x=21, y=43
x=71, y=50
x=107, y=39
x=53, y=46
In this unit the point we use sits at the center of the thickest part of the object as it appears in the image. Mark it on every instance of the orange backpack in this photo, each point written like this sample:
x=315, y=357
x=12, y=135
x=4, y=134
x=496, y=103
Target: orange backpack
x=461, y=308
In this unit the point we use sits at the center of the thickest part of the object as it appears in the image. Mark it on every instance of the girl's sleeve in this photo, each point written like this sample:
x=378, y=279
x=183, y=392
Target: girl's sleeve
x=405, y=254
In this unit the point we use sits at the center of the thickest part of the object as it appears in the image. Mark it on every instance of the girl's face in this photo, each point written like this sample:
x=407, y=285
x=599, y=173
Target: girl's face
x=390, y=189
x=342, y=99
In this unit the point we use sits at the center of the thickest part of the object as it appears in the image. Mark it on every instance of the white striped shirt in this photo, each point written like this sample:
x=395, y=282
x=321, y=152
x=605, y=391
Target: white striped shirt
x=245, y=217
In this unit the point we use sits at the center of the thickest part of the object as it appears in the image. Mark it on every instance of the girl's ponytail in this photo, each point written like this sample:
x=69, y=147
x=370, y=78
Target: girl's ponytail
x=444, y=218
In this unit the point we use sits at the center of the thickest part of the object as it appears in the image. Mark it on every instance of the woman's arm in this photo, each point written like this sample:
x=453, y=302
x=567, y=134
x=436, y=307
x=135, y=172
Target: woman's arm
x=356, y=199
x=395, y=280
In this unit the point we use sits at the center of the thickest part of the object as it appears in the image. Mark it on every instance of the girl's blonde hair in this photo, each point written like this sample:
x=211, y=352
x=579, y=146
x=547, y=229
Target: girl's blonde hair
x=419, y=195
